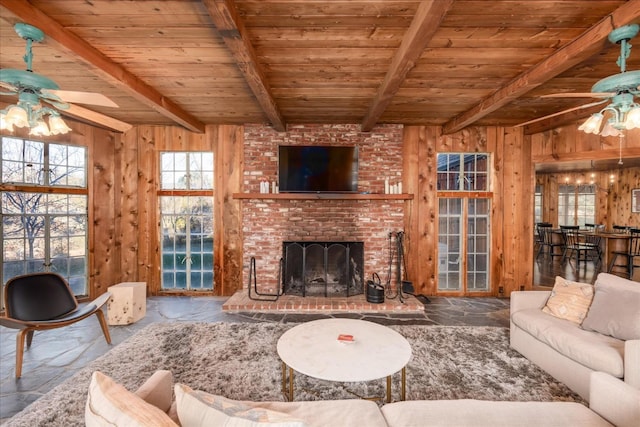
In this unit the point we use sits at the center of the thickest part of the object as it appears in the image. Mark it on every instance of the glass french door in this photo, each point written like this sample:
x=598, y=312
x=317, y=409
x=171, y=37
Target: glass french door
x=464, y=245
x=187, y=242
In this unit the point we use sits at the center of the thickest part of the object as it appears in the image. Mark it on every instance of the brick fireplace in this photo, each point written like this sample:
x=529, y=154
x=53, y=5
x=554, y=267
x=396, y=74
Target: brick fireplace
x=267, y=223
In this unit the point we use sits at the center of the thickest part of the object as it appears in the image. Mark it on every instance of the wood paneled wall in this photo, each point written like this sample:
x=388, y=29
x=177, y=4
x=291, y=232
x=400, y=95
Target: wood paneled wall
x=568, y=144
x=511, y=262
x=135, y=163
x=613, y=197
x=124, y=243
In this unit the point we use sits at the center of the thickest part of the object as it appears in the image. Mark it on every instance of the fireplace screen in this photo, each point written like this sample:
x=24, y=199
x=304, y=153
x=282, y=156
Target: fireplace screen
x=323, y=268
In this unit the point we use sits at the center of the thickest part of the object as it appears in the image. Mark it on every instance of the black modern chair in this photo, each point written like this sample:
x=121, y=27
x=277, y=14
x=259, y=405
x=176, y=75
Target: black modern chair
x=631, y=254
x=41, y=301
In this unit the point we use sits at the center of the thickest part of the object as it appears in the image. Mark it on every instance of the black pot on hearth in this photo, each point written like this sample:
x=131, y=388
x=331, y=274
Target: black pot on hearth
x=375, y=290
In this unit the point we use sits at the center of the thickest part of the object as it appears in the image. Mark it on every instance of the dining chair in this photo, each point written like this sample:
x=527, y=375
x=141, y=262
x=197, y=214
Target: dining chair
x=573, y=246
x=630, y=255
x=620, y=228
x=545, y=234
x=41, y=301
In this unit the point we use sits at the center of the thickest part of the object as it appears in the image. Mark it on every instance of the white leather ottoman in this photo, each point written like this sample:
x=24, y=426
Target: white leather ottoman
x=128, y=303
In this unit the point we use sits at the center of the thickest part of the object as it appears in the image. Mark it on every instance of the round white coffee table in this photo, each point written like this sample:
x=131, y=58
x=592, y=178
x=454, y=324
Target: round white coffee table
x=313, y=349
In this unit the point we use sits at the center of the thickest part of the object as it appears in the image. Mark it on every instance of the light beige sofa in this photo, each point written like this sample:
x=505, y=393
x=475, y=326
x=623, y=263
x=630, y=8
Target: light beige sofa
x=612, y=403
x=569, y=351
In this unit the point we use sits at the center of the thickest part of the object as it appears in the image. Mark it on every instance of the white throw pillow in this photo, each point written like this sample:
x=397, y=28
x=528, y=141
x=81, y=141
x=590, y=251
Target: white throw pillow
x=199, y=409
x=615, y=310
x=569, y=300
x=110, y=404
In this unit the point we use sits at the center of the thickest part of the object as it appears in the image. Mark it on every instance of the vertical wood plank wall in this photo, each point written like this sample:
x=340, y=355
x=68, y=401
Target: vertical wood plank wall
x=511, y=262
x=567, y=144
x=123, y=213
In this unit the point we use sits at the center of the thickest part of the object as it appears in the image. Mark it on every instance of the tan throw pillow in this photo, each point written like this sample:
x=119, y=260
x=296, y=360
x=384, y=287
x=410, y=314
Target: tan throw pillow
x=110, y=404
x=199, y=409
x=615, y=310
x=569, y=300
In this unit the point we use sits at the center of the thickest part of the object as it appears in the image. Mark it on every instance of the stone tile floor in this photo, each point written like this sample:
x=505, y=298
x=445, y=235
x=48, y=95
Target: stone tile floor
x=56, y=355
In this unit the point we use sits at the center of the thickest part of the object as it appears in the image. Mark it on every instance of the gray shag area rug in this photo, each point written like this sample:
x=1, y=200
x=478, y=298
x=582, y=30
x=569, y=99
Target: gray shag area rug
x=239, y=361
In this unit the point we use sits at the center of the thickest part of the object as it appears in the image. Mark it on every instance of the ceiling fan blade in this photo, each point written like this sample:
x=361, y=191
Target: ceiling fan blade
x=8, y=87
x=539, y=119
x=580, y=95
x=96, y=118
x=87, y=98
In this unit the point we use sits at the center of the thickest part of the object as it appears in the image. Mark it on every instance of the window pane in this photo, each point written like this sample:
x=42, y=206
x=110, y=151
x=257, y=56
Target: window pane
x=449, y=244
x=478, y=245
x=187, y=242
x=22, y=161
x=67, y=165
x=472, y=176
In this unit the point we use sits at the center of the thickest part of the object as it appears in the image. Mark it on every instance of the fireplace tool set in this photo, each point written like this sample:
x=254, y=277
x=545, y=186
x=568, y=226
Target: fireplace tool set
x=253, y=283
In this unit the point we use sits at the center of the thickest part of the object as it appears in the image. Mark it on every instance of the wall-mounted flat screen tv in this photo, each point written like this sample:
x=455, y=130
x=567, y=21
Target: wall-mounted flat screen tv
x=318, y=168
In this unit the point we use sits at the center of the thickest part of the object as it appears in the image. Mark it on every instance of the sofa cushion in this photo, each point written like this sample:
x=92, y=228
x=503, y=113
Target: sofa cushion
x=591, y=349
x=322, y=413
x=334, y=413
x=110, y=404
x=569, y=300
x=199, y=409
x=467, y=412
x=615, y=310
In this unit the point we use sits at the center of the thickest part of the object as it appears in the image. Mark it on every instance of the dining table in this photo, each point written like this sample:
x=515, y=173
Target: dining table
x=610, y=241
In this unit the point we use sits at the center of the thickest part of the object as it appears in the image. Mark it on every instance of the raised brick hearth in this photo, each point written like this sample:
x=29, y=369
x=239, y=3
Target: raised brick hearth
x=240, y=302
x=269, y=222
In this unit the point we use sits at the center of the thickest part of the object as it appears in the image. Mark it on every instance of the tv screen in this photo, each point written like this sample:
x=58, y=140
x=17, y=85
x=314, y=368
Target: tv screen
x=319, y=168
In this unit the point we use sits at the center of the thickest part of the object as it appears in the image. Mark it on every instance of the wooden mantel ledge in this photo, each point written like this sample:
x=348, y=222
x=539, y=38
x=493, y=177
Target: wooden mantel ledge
x=322, y=196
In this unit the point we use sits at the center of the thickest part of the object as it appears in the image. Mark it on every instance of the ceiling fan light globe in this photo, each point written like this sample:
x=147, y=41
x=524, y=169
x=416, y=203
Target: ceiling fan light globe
x=17, y=116
x=633, y=118
x=593, y=123
x=40, y=129
x=5, y=124
x=57, y=125
x=610, y=130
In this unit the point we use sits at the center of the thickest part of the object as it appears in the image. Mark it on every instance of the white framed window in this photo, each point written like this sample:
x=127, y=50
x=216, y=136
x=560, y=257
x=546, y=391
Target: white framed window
x=576, y=204
x=44, y=210
x=537, y=204
x=186, y=219
x=463, y=172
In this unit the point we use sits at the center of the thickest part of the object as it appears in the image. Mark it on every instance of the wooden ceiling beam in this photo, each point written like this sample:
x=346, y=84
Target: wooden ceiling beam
x=586, y=45
x=101, y=64
x=424, y=25
x=231, y=28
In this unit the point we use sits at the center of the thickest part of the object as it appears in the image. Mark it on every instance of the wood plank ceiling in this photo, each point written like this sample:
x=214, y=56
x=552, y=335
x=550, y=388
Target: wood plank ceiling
x=452, y=63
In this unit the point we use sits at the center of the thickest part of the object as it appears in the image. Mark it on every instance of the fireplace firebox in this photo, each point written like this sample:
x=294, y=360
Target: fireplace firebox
x=323, y=268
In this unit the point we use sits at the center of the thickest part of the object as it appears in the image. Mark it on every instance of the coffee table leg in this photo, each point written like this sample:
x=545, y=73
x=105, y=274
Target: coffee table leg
x=389, y=389
x=290, y=384
x=287, y=391
x=404, y=383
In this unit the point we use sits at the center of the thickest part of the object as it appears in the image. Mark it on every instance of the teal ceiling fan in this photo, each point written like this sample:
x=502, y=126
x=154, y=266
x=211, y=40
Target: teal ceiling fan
x=620, y=90
x=33, y=89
